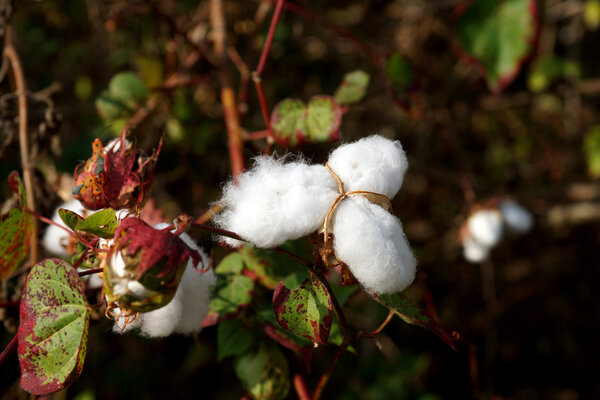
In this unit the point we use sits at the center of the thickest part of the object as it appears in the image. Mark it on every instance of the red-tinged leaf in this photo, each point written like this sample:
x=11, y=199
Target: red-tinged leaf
x=54, y=325
x=306, y=310
x=323, y=119
x=353, y=87
x=288, y=121
x=498, y=36
x=70, y=218
x=412, y=314
x=16, y=228
x=267, y=268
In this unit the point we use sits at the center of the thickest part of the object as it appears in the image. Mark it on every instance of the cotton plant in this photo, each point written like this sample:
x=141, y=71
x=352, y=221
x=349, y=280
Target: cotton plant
x=347, y=201
x=485, y=228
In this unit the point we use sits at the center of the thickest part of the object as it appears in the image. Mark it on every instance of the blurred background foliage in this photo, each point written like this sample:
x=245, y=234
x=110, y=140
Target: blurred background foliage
x=473, y=128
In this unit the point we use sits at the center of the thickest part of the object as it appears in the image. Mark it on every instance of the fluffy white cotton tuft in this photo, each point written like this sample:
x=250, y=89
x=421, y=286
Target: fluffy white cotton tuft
x=474, y=251
x=185, y=312
x=485, y=227
x=56, y=239
x=277, y=201
x=373, y=164
x=516, y=217
x=371, y=242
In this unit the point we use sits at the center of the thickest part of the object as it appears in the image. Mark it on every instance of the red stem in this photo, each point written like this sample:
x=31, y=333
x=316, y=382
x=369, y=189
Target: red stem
x=258, y=135
x=91, y=271
x=261, y=99
x=10, y=304
x=378, y=330
x=49, y=221
x=8, y=350
x=269, y=40
x=325, y=377
x=301, y=387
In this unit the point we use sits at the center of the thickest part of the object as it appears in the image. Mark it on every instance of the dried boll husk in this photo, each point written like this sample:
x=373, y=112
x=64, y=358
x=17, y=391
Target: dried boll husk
x=144, y=266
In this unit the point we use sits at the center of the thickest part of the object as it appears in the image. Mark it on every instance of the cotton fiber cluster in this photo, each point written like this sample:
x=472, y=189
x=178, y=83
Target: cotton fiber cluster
x=279, y=200
x=485, y=228
x=185, y=312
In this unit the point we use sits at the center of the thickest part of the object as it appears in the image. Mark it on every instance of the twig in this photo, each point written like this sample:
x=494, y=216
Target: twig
x=230, y=110
x=208, y=214
x=378, y=330
x=325, y=377
x=8, y=350
x=91, y=271
x=301, y=387
x=49, y=221
x=269, y=40
x=21, y=91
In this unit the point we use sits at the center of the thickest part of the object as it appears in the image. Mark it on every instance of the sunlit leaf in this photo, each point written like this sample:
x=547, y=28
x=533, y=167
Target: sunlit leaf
x=70, y=218
x=499, y=36
x=288, y=121
x=410, y=313
x=54, y=325
x=306, y=310
x=353, y=87
x=103, y=223
x=323, y=119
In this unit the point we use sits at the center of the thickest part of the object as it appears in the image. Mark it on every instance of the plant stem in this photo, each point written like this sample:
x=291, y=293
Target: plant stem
x=10, y=304
x=325, y=377
x=269, y=40
x=49, y=221
x=230, y=110
x=11, y=55
x=8, y=350
x=262, y=101
x=378, y=330
x=91, y=271
x=301, y=387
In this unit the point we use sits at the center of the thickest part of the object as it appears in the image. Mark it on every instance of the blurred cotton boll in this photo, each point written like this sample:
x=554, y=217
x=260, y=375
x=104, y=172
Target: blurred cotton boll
x=473, y=251
x=485, y=227
x=517, y=218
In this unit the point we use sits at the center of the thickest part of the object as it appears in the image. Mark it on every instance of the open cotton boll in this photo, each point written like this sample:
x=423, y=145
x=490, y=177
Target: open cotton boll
x=371, y=242
x=474, y=251
x=185, y=312
x=516, y=217
x=277, y=201
x=55, y=239
x=373, y=164
x=485, y=227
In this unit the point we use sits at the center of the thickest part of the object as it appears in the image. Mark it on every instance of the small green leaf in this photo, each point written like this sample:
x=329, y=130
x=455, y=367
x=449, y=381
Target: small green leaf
x=410, y=313
x=233, y=338
x=54, y=325
x=323, y=119
x=232, y=293
x=110, y=109
x=264, y=373
x=288, y=121
x=129, y=89
x=232, y=264
x=102, y=224
x=306, y=310
x=70, y=218
x=353, y=87
x=267, y=267
x=16, y=228
x=591, y=147
x=499, y=35
x=399, y=70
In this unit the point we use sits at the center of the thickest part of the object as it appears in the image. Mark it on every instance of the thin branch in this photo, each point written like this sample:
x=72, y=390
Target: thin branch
x=230, y=109
x=378, y=330
x=8, y=350
x=49, y=221
x=21, y=91
x=301, y=387
x=261, y=100
x=91, y=271
x=269, y=40
x=325, y=377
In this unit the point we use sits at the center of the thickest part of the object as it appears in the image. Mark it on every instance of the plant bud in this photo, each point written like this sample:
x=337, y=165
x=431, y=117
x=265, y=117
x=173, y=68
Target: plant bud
x=485, y=227
x=144, y=267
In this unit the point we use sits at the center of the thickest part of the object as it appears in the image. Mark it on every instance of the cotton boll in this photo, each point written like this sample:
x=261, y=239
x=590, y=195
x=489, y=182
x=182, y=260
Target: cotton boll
x=371, y=242
x=516, y=217
x=474, y=251
x=115, y=145
x=373, y=164
x=56, y=239
x=185, y=312
x=277, y=201
x=485, y=227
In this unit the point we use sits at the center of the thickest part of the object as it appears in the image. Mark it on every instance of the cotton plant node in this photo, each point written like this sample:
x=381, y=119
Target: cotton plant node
x=327, y=251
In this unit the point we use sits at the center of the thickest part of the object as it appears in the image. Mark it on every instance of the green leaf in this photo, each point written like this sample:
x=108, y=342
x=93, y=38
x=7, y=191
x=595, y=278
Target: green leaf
x=306, y=310
x=288, y=121
x=109, y=108
x=547, y=69
x=16, y=228
x=410, y=313
x=591, y=147
x=294, y=123
x=323, y=119
x=591, y=14
x=399, y=70
x=233, y=338
x=232, y=293
x=232, y=264
x=129, y=89
x=70, y=218
x=353, y=87
x=54, y=326
x=499, y=35
x=103, y=223
x=264, y=373
x=267, y=267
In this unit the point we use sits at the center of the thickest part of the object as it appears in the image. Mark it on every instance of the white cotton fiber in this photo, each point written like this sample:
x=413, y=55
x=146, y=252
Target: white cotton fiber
x=485, y=227
x=373, y=164
x=474, y=251
x=185, y=312
x=371, y=242
x=277, y=201
x=56, y=239
x=517, y=218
